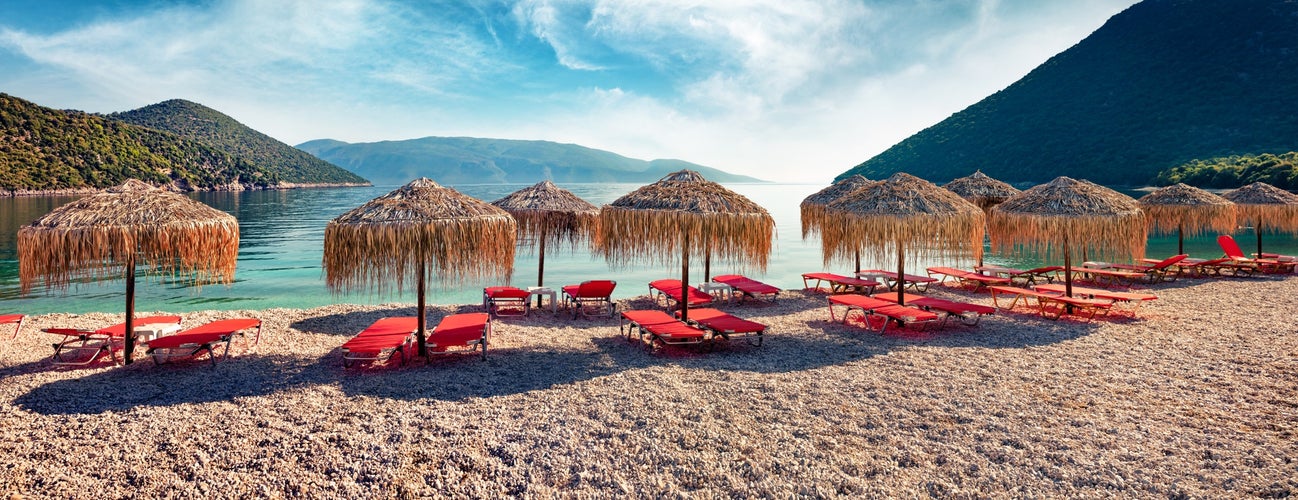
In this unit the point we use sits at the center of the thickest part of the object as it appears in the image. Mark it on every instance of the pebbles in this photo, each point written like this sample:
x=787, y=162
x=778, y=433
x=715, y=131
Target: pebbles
x=1198, y=396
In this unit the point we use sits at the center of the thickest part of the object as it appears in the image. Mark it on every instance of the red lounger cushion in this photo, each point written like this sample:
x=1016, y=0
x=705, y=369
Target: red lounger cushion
x=746, y=284
x=661, y=324
x=505, y=292
x=386, y=333
x=672, y=288
x=119, y=329
x=10, y=318
x=725, y=322
x=459, y=330
x=210, y=332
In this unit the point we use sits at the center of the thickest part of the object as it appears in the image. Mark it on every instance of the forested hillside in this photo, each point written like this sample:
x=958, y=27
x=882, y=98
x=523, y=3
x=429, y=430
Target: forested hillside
x=48, y=149
x=213, y=128
x=1277, y=170
x=1159, y=85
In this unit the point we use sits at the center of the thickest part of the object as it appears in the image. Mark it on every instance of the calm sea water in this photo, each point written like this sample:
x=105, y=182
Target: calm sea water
x=282, y=233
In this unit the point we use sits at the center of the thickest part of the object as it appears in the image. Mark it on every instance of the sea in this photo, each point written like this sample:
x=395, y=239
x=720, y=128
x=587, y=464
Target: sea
x=281, y=244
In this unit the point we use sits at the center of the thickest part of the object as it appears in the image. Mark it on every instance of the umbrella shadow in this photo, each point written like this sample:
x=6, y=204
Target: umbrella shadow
x=195, y=381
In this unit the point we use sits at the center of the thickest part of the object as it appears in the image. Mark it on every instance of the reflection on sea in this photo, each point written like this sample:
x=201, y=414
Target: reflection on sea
x=282, y=233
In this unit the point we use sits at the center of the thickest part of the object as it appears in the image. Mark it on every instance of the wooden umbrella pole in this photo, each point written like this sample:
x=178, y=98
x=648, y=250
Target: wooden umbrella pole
x=1257, y=228
x=901, y=273
x=1068, y=274
x=685, y=277
x=129, y=334
x=540, y=268
x=857, y=269
x=421, y=320
x=1180, y=238
x=707, y=264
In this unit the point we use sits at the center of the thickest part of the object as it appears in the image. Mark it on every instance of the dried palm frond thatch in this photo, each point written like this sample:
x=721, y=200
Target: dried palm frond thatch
x=906, y=214
x=134, y=224
x=1065, y=215
x=1186, y=209
x=550, y=214
x=684, y=213
x=418, y=231
x=813, y=207
x=1266, y=206
x=981, y=190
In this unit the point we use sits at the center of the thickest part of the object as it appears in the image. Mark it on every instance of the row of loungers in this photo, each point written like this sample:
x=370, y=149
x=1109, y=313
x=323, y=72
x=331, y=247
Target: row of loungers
x=658, y=329
x=390, y=337
x=883, y=308
x=77, y=347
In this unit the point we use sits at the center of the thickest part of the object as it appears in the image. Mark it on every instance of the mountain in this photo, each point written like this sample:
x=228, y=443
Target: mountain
x=1161, y=84
x=453, y=160
x=48, y=150
x=208, y=126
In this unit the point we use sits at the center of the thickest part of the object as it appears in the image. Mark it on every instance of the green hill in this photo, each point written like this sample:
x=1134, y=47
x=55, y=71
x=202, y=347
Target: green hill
x=208, y=126
x=455, y=160
x=1161, y=84
x=44, y=149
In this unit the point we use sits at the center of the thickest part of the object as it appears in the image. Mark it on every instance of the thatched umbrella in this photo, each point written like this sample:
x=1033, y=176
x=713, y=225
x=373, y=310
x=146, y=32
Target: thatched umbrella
x=549, y=214
x=396, y=237
x=983, y=191
x=1186, y=208
x=813, y=207
x=680, y=214
x=1261, y=201
x=1067, y=214
x=914, y=215
x=110, y=233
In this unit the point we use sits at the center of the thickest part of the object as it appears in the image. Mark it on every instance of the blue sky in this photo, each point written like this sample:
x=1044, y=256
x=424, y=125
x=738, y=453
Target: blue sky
x=786, y=90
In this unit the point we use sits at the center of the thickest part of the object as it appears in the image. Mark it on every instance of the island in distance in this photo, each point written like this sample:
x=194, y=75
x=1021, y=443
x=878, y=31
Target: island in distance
x=469, y=160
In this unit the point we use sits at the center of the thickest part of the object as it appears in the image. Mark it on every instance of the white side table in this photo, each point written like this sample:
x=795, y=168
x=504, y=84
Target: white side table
x=719, y=291
x=145, y=333
x=535, y=291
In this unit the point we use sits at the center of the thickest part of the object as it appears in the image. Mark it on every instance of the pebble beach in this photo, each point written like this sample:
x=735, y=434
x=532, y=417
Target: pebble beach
x=1194, y=396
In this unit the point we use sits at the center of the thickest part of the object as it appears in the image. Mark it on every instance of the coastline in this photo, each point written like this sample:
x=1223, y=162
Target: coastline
x=1194, y=396
x=15, y=193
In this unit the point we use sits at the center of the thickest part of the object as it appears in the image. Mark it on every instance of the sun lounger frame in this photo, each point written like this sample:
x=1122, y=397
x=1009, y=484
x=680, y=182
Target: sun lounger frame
x=98, y=342
x=458, y=347
x=204, y=342
x=653, y=325
x=390, y=340
x=714, y=321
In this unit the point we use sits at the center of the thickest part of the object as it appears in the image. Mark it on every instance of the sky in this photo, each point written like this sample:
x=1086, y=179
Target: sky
x=782, y=90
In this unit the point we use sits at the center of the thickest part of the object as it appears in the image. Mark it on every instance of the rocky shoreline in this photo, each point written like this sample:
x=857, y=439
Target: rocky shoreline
x=13, y=193
x=1194, y=396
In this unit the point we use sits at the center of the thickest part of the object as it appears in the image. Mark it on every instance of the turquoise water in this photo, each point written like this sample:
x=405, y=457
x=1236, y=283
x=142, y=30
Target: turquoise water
x=281, y=241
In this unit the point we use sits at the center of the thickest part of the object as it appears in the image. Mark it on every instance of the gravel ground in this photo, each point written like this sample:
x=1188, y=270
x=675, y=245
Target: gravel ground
x=1195, y=396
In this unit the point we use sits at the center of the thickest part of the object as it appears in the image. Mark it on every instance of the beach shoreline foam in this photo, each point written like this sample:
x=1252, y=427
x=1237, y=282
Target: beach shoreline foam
x=1196, y=396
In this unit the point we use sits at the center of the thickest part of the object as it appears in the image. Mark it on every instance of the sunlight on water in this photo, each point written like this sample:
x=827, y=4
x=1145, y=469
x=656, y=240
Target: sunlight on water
x=282, y=232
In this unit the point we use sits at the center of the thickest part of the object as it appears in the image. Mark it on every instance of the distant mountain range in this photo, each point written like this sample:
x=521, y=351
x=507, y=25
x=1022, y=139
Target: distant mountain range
x=461, y=160
x=45, y=150
x=1159, y=85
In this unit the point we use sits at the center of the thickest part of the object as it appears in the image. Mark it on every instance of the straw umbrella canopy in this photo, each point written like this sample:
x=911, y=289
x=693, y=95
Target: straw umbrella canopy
x=548, y=214
x=108, y=234
x=912, y=215
x=1066, y=215
x=1260, y=201
x=813, y=207
x=413, y=233
x=684, y=213
x=1186, y=208
x=983, y=191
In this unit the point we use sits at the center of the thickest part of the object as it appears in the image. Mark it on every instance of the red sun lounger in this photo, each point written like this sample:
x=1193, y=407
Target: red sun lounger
x=727, y=326
x=13, y=319
x=659, y=329
x=888, y=311
x=505, y=301
x=839, y=283
x=382, y=340
x=1164, y=270
x=1051, y=302
x=916, y=283
x=668, y=293
x=460, y=332
x=194, y=342
x=969, y=314
x=970, y=279
x=748, y=287
x=1027, y=276
x=590, y=298
x=1135, y=299
x=1272, y=266
x=101, y=341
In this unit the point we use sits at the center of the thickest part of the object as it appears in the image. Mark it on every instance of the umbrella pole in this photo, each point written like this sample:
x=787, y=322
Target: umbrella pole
x=421, y=320
x=1068, y=274
x=685, y=277
x=707, y=264
x=129, y=334
x=857, y=269
x=1257, y=228
x=901, y=274
x=1180, y=238
x=540, y=269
